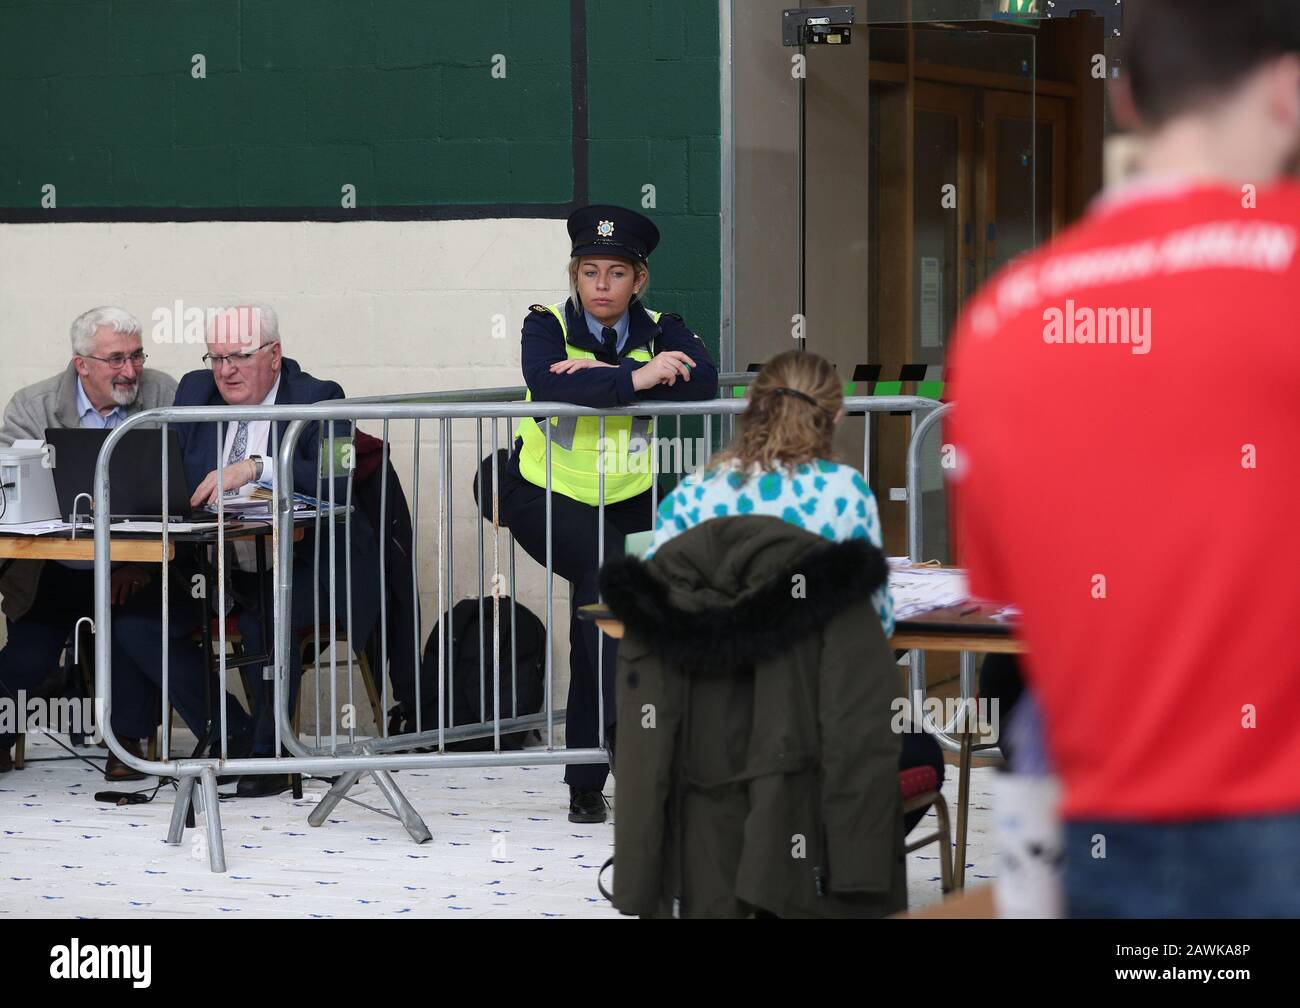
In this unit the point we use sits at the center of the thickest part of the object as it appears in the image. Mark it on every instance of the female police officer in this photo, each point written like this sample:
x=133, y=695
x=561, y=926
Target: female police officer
x=601, y=348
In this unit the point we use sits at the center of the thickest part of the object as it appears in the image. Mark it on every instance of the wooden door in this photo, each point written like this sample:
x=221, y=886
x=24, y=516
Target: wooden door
x=1023, y=175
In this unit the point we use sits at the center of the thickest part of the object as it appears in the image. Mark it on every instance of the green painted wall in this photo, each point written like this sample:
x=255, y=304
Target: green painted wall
x=395, y=97
x=654, y=118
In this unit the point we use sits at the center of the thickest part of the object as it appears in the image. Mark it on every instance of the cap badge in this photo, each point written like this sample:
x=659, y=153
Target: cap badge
x=605, y=229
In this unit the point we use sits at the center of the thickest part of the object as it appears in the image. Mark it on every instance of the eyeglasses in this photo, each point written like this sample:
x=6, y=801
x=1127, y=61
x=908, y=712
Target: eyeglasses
x=118, y=361
x=237, y=359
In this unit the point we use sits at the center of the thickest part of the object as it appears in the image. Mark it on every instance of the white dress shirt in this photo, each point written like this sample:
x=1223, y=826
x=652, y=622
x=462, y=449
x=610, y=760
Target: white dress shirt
x=259, y=443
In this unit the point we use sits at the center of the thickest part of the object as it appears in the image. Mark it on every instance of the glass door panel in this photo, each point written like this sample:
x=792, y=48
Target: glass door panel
x=1024, y=166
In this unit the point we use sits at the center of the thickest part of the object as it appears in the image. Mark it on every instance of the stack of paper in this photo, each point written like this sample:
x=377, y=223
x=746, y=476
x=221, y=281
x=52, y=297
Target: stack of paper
x=156, y=527
x=36, y=527
x=256, y=506
x=918, y=590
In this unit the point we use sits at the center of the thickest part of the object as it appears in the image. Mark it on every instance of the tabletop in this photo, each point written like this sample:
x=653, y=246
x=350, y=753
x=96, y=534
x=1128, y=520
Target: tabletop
x=128, y=547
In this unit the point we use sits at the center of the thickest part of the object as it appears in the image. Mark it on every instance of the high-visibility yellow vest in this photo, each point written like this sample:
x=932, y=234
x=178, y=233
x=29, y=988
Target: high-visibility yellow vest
x=576, y=455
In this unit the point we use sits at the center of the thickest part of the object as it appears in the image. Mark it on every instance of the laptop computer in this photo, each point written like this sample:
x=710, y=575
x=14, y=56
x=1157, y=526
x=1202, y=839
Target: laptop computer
x=134, y=473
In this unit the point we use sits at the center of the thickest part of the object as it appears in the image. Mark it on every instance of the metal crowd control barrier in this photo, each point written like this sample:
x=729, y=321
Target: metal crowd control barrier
x=348, y=760
x=916, y=662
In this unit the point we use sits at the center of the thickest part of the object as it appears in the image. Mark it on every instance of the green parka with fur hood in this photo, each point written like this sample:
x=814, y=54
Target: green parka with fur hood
x=755, y=763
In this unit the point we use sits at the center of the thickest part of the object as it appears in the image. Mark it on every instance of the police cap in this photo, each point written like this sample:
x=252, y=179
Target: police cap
x=612, y=230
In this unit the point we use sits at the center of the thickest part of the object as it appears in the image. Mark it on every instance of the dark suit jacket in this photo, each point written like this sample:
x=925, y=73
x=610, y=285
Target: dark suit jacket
x=297, y=387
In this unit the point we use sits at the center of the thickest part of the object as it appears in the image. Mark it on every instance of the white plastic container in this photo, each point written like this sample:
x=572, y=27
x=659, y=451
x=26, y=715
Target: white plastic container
x=26, y=485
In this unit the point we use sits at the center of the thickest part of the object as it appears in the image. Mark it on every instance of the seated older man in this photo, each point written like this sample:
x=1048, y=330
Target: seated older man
x=245, y=366
x=104, y=383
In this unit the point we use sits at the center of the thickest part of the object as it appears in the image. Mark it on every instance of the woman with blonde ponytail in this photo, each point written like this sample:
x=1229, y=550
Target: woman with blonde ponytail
x=781, y=463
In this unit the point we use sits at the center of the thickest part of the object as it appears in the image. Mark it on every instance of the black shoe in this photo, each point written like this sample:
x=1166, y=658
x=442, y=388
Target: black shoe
x=262, y=785
x=115, y=771
x=586, y=805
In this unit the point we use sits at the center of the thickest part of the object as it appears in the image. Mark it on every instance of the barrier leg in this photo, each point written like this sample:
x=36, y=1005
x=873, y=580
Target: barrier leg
x=405, y=811
x=402, y=808
x=180, y=810
x=332, y=797
x=963, y=808
x=212, y=817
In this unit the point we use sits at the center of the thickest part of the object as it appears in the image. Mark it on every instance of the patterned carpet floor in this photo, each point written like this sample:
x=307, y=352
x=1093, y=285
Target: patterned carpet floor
x=502, y=847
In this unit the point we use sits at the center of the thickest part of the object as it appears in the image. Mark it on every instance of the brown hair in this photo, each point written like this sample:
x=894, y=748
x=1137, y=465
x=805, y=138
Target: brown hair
x=780, y=426
x=1179, y=54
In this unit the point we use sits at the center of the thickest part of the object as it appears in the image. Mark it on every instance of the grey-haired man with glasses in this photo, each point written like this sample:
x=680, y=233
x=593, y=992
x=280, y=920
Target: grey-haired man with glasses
x=104, y=383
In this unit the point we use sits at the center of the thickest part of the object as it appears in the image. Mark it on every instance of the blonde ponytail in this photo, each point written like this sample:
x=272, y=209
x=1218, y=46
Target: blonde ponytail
x=790, y=418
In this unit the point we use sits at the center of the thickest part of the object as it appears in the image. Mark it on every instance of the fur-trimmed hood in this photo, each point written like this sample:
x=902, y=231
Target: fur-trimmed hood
x=729, y=591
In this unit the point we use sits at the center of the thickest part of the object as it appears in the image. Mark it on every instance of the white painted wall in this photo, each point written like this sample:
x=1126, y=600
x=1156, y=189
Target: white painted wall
x=382, y=308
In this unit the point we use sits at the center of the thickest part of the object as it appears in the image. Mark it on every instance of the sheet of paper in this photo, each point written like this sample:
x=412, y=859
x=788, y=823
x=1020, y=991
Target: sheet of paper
x=36, y=527
x=918, y=590
x=636, y=543
x=156, y=526
x=931, y=291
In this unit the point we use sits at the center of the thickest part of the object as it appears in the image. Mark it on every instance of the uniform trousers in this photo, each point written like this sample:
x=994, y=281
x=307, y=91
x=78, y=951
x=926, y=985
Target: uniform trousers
x=574, y=543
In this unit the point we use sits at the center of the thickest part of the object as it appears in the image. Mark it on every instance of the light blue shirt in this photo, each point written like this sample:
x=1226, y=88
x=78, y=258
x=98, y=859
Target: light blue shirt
x=92, y=418
x=621, y=327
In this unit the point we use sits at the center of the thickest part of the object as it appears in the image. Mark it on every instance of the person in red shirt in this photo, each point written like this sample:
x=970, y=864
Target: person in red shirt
x=1126, y=426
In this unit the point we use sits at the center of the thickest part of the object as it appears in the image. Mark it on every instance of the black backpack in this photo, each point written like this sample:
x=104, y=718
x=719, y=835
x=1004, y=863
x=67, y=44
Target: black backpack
x=463, y=684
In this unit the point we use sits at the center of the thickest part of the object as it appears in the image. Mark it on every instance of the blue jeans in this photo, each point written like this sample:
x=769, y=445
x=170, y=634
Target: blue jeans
x=1243, y=867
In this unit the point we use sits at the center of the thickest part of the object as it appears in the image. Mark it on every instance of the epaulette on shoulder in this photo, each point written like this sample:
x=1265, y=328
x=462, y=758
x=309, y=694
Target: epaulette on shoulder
x=539, y=308
x=671, y=315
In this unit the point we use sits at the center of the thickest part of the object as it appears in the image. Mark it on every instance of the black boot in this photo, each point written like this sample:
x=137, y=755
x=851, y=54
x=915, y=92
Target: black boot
x=586, y=805
x=262, y=785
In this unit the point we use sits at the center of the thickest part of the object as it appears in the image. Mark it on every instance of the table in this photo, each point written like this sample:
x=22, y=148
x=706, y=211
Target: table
x=959, y=629
x=130, y=547
x=955, y=629
x=147, y=547
x=60, y=546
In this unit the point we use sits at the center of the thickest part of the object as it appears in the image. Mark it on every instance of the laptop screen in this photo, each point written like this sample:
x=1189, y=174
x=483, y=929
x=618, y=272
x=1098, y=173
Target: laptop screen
x=134, y=475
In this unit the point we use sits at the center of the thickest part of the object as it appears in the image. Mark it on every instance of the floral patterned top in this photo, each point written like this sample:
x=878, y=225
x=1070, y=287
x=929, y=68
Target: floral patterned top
x=828, y=498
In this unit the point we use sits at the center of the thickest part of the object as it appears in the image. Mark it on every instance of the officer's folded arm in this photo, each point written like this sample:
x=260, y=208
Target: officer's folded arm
x=696, y=375
x=596, y=387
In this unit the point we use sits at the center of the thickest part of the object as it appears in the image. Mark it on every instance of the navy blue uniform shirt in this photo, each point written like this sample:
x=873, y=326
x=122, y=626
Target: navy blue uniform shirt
x=607, y=388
